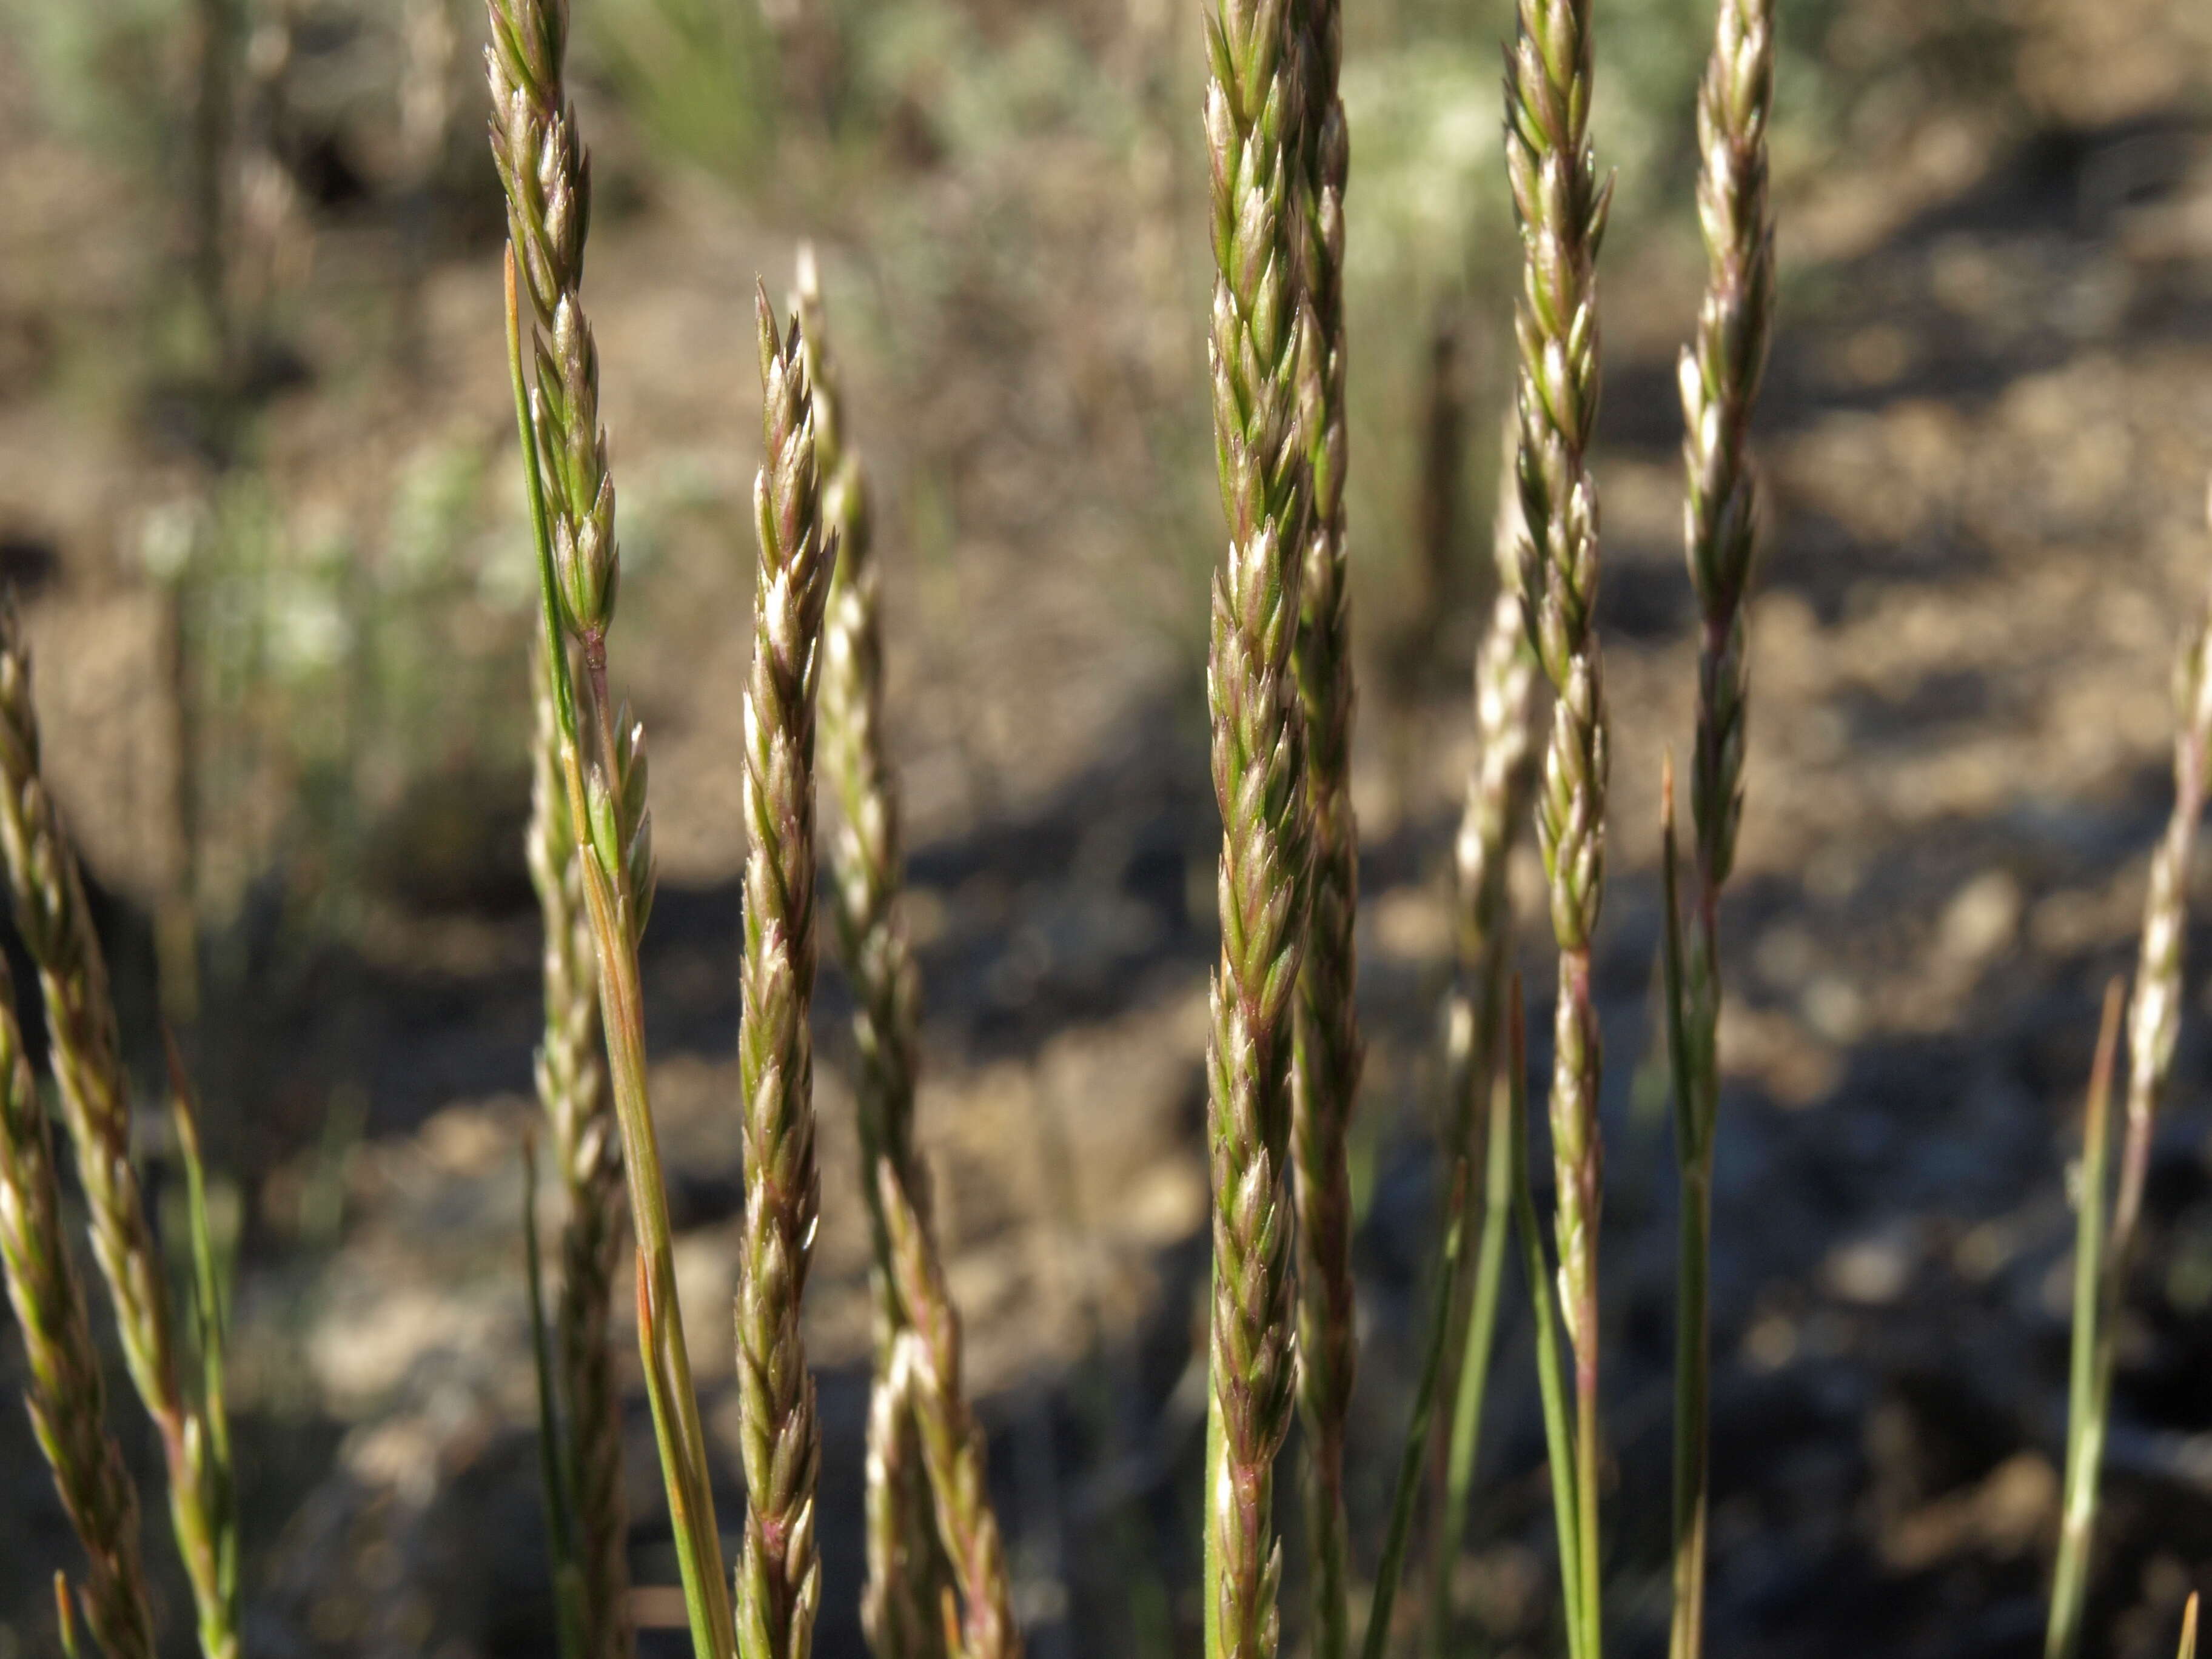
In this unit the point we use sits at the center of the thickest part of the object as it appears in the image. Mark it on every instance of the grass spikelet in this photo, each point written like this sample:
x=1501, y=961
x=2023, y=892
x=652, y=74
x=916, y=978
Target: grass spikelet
x=56, y=926
x=67, y=1399
x=1497, y=799
x=906, y=1573
x=553, y=367
x=586, y=1145
x=1326, y=1066
x=1561, y=208
x=1720, y=376
x=925, y=1365
x=780, y=1577
x=2153, y=1022
x=1257, y=345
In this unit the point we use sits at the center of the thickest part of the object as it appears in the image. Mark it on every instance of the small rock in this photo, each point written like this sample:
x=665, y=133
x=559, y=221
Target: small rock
x=1872, y=1272
x=1981, y=919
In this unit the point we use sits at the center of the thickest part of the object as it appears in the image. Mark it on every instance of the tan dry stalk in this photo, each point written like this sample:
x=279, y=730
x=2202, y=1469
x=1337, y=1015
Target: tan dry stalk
x=67, y=1398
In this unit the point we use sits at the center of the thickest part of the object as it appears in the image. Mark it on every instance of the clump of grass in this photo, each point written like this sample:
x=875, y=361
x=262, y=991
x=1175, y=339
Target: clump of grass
x=1260, y=332
x=1326, y=1062
x=86, y=1045
x=2100, y=1260
x=67, y=1398
x=1720, y=376
x=1561, y=206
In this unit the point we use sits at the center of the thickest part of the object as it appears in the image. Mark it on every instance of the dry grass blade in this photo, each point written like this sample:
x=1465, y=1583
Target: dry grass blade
x=66, y=1398
x=1260, y=332
x=56, y=925
x=900, y=1605
x=2188, y=1649
x=780, y=1577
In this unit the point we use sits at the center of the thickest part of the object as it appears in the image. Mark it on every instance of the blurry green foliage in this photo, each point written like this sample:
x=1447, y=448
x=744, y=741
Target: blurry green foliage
x=104, y=71
x=698, y=75
x=332, y=665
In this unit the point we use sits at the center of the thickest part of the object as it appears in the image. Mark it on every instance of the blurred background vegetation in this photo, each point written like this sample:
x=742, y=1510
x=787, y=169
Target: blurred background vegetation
x=257, y=197
x=256, y=483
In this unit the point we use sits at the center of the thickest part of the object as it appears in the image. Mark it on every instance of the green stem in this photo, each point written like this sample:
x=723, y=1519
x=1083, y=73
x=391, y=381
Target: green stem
x=1414, y=1458
x=2089, y=1382
x=1558, y=1434
x=218, y=1621
x=554, y=1469
x=1586, y=1530
x=1217, y=1472
x=1475, y=1361
x=667, y=1359
x=1692, y=1403
x=1696, y=1090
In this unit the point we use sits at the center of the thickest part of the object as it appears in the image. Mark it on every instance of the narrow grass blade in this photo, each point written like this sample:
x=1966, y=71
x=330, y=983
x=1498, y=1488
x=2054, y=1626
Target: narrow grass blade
x=1692, y=1341
x=1559, y=1431
x=65, y=1394
x=65, y=1616
x=211, y=1328
x=1413, y=1456
x=553, y=1464
x=54, y=920
x=1476, y=1359
x=2085, y=1420
x=616, y=840
x=1261, y=334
